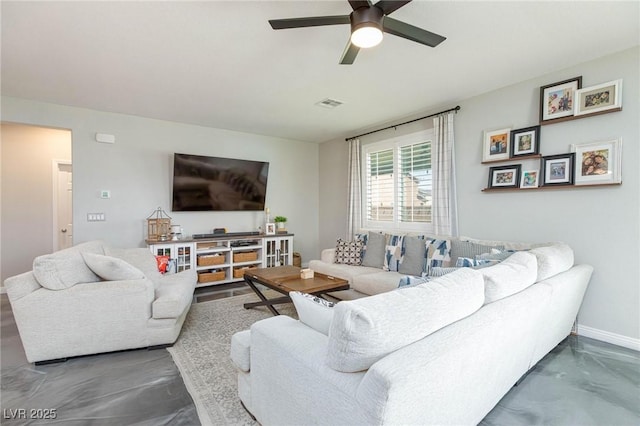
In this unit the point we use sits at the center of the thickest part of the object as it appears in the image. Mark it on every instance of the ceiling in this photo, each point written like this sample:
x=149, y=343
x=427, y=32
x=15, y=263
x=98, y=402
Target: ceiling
x=219, y=63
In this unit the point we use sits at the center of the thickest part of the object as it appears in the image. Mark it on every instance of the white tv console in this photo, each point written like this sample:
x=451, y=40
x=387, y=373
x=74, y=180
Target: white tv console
x=223, y=259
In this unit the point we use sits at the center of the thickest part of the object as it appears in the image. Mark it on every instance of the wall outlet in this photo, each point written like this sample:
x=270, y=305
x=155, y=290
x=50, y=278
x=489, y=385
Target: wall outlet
x=105, y=193
x=96, y=217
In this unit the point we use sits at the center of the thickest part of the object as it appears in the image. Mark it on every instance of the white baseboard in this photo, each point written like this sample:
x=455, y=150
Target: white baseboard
x=613, y=338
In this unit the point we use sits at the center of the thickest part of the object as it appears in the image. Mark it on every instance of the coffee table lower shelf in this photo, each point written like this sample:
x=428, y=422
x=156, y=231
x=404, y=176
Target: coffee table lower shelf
x=284, y=279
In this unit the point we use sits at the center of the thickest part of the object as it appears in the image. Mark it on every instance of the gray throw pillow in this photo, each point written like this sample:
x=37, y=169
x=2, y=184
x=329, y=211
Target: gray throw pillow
x=415, y=255
x=468, y=249
x=374, y=254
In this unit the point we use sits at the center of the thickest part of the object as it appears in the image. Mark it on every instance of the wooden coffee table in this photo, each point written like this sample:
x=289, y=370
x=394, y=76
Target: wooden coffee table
x=284, y=279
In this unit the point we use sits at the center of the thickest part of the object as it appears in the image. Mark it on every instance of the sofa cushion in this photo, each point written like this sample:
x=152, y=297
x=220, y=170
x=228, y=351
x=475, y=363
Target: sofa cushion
x=393, y=252
x=365, y=330
x=376, y=282
x=349, y=252
x=415, y=256
x=141, y=258
x=111, y=268
x=313, y=311
x=66, y=268
x=374, y=253
x=553, y=259
x=347, y=272
x=510, y=276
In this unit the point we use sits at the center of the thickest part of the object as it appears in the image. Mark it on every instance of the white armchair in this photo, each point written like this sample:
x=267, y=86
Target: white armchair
x=91, y=299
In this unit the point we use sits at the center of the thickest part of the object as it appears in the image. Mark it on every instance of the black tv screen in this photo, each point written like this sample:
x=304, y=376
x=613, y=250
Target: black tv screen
x=203, y=183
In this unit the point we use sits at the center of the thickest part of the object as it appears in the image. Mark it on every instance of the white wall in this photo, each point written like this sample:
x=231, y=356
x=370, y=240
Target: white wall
x=137, y=169
x=27, y=192
x=601, y=224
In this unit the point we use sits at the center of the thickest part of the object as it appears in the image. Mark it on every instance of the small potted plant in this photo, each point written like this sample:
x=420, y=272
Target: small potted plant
x=280, y=221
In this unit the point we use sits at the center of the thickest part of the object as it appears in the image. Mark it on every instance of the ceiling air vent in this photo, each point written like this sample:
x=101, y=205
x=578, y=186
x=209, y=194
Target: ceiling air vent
x=329, y=103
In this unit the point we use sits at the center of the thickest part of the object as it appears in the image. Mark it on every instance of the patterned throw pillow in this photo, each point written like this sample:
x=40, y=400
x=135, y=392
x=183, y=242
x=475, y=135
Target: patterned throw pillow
x=500, y=255
x=349, y=252
x=469, y=249
x=393, y=253
x=468, y=262
x=364, y=238
x=438, y=253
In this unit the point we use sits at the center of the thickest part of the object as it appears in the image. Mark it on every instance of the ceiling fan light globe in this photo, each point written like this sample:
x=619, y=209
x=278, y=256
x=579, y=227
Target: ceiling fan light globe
x=366, y=36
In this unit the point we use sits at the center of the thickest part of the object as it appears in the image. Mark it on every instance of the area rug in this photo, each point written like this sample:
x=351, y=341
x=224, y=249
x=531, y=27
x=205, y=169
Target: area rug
x=201, y=353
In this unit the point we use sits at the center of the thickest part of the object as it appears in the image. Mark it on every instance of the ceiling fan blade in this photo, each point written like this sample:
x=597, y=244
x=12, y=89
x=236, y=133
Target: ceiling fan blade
x=349, y=54
x=316, y=21
x=356, y=4
x=404, y=30
x=390, y=6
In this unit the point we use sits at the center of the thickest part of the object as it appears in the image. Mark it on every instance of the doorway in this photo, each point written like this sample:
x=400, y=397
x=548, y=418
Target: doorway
x=27, y=193
x=62, y=205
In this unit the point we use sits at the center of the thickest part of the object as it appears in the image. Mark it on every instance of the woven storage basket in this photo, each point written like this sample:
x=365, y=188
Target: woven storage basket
x=207, y=277
x=239, y=272
x=210, y=259
x=245, y=256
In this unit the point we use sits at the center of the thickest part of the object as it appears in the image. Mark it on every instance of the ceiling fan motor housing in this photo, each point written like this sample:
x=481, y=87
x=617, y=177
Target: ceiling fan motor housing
x=368, y=17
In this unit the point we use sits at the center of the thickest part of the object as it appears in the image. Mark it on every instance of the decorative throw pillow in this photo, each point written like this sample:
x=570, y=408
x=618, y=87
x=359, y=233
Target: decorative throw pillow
x=111, y=268
x=439, y=271
x=313, y=311
x=500, y=255
x=374, y=255
x=469, y=249
x=438, y=253
x=393, y=253
x=467, y=262
x=349, y=252
x=363, y=238
x=415, y=256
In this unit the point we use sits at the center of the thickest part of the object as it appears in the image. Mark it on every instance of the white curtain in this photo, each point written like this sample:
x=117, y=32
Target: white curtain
x=444, y=206
x=354, y=213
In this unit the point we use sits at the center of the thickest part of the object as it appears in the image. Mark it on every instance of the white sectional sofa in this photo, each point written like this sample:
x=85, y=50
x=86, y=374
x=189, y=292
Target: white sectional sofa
x=442, y=352
x=92, y=298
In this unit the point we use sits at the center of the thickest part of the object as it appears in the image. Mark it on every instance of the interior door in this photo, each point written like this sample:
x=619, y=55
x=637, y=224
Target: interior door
x=64, y=211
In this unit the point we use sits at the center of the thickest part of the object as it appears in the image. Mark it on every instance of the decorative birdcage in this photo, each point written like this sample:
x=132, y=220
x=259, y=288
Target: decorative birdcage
x=158, y=225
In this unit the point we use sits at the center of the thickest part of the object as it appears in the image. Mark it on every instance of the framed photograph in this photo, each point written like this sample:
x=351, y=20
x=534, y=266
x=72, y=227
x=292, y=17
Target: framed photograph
x=525, y=141
x=558, y=169
x=530, y=179
x=598, y=162
x=606, y=97
x=504, y=176
x=557, y=100
x=270, y=228
x=496, y=145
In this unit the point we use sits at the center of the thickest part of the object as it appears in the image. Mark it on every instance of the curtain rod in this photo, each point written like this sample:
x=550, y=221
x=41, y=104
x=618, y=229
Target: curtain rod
x=456, y=109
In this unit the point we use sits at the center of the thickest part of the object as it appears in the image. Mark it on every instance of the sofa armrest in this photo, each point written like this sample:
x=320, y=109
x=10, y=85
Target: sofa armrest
x=21, y=285
x=173, y=294
x=241, y=350
x=328, y=255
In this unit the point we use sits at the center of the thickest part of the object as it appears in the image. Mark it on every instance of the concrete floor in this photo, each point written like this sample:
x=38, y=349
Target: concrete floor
x=581, y=382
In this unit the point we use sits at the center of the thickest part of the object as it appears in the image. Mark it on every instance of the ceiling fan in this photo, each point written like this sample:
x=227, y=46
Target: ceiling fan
x=368, y=21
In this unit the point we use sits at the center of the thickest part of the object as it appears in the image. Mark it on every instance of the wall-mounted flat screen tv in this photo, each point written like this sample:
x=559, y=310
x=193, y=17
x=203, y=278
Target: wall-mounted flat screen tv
x=202, y=183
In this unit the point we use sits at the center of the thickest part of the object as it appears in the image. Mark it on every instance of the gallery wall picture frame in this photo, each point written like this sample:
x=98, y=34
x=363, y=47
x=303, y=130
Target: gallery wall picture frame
x=495, y=145
x=599, y=99
x=530, y=179
x=558, y=169
x=557, y=100
x=504, y=176
x=525, y=141
x=598, y=163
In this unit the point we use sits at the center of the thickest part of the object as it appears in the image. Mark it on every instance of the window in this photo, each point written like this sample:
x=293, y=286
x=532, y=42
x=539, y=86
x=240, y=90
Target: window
x=397, y=180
